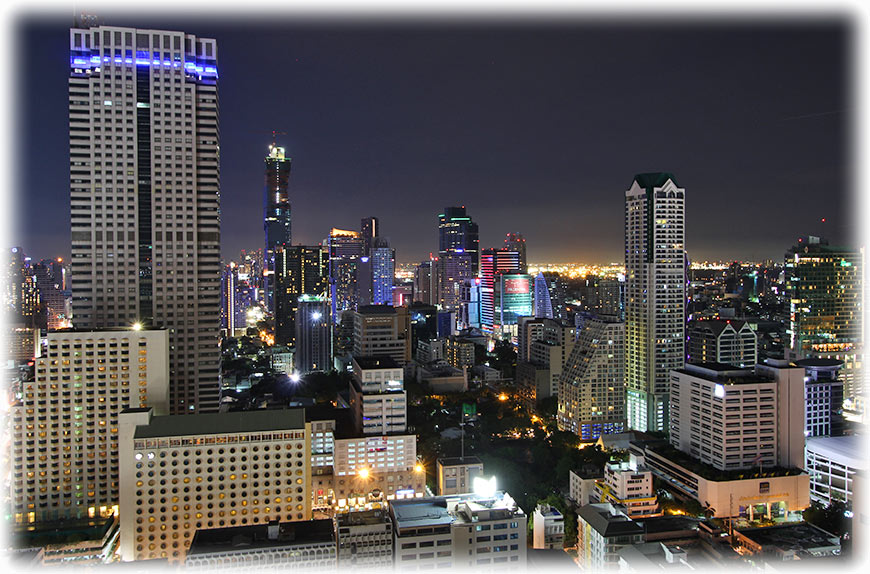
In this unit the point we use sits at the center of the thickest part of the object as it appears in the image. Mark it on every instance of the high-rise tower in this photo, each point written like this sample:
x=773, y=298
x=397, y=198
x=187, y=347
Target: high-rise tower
x=655, y=297
x=458, y=260
x=145, y=195
x=276, y=214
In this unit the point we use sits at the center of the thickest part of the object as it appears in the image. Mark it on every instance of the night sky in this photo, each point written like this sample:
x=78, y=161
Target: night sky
x=535, y=128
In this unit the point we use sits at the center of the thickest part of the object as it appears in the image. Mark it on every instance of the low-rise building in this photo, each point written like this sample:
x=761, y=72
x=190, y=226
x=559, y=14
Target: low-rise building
x=364, y=538
x=602, y=531
x=455, y=475
x=69, y=542
x=651, y=556
x=832, y=463
x=581, y=486
x=548, y=528
x=629, y=485
x=460, y=353
x=787, y=542
x=298, y=546
x=442, y=377
x=480, y=531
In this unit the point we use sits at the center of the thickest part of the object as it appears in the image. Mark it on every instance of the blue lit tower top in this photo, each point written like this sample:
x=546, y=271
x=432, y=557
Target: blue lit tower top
x=276, y=210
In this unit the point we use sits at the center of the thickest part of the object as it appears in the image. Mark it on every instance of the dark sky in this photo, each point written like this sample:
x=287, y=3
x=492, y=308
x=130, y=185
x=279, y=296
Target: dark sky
x=537, y=128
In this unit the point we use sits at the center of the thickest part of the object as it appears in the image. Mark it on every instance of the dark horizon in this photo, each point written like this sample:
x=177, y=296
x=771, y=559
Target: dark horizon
x=535, y=128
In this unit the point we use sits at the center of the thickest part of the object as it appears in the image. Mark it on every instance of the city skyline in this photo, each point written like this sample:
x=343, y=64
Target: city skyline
x=540, y=123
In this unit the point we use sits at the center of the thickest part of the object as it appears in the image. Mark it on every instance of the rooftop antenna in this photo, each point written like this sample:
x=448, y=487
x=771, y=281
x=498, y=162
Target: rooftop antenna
x=275, y=135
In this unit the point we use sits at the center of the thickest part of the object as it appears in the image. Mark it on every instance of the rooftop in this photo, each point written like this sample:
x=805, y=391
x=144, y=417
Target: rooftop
x=850, y=450
x=376, y=310
x=601, y=517
x=256, y=536
x=655, y=179
x=709, y=472
x=459, y=460
x=367, y=363
x=222, y=423
x=803, y=538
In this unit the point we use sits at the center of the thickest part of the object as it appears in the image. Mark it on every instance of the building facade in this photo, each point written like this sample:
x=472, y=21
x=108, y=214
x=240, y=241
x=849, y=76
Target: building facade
x=145, y=195
x=655, y=299
x=382, y=331
x=731, y=342
x=378, y=400
x=313, y=334
x=65, y=440
x=299, y=270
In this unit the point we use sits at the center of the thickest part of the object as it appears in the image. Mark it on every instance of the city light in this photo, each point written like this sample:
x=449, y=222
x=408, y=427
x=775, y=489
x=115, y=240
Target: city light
x=294, y=377
x=315, y=316
x=363, y=473
x=502, y=397
x=418, y=468
x=137, y=326
x=484, y=487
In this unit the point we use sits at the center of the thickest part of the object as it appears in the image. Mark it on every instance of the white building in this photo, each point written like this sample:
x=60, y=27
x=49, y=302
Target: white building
x=630, y=486
x=145, y=195
x=364, y=539
x=483, y=532
x=727, y=341
x=548, y=526
x=591, y=387
x=65, y=428
x=298, y=546
x=602, y=531
x=377, y=396
x=733, y=418
x=581, y=487
x=655, y=296
x=832, y=463
x=180, y=474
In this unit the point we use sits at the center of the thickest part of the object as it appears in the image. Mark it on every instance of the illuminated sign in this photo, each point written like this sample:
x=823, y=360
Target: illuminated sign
x=516, y=285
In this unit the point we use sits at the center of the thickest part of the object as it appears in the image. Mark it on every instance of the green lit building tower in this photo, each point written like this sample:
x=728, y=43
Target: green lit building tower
x=655, y=296
x=824, y=289
x=276, y=215
x=145, y=195
x=299, y=270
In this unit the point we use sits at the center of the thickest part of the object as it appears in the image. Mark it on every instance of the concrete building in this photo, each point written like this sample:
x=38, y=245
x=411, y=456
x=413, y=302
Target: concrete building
x=460, y=353
x=832, y=463
x=463, y=531
x=378, y=400
x=364, y=539
x=630, y=486
x=442, y=377
x=146, y=237
x=65, y=440
x=730, y=341
x=68, y=542
x=581, y=486
x=313, y=337
x=430, y=350
x=655, y=296
x=733, y=418
x=214, y=471
x=298, y=546
x=591, y=387
x=651, y=556
x=299, y=271
x=824, y=397
x=22, y=343
x=784, y=543
x=382, y=330
x=455, y=475
x=602, y=531
x=548, y=528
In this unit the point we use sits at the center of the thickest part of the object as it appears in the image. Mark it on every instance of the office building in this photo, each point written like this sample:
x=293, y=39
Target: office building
x=299, y=270
x=543, y=304
x=512, y=300
x=728, y=341
x=276, y=215
x=146, y=237
x=378, y=401
x=298, y=546
x=655, y=298
x=733, y=418
x=313, y=336
x=423, y=278
x=458, y=255
x=214, y=471
x=548, y=528
x=517, y=243
x=630, y=486
x=65, y=440
x=480, y=531
x=370, y=228
x=383, y=266
x=460, y=353
x=824, y=290
x=832, y=463
x=455, y=475
x=602, y=531
x=22, y=343
x=364, y=538
x=346, y=248
x=591, y=387
x=824, y=398
x=22, y=293
x=494, y=263
x=49, y=277
x=382, y=331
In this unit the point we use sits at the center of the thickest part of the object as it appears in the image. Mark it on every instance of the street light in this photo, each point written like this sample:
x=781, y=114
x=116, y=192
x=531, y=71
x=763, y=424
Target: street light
x=418, y=468
x=363, y=473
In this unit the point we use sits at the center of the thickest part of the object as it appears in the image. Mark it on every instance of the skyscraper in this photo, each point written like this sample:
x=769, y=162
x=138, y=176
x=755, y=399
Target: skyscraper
x=458, y=240
x=299, y=270
x=383, y=260
x=370, y=229
x=493, y=263
x=824, y=288
x=543, y=305
x=655, y=298
x=276, y=214
x=516, y=242
x=346, y=248
x=145, y=195
x=313, y=336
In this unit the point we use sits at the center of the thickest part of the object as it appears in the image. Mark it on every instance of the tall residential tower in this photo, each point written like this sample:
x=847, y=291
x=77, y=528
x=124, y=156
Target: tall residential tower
x=145, y=195
x=655, y=296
